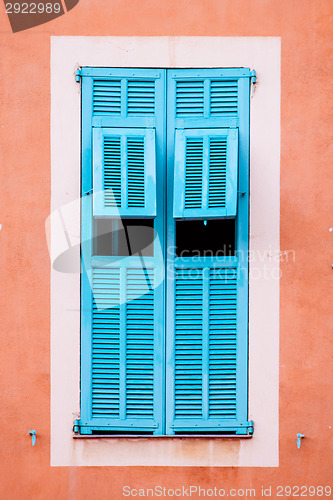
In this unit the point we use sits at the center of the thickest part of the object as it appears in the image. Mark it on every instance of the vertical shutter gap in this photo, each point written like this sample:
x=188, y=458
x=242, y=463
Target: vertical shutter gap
x=140, y=97
x=190, y=98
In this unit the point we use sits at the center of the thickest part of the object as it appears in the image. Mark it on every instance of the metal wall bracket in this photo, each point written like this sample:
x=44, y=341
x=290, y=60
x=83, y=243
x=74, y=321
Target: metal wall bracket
x=33, y=438
x=299, y=438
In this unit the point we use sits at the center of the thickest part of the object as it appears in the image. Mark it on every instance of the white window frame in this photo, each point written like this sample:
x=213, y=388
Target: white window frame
x=263, y=55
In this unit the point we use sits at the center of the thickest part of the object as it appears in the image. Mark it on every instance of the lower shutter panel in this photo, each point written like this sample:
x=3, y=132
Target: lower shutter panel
x=205, y=350
x=124, y=392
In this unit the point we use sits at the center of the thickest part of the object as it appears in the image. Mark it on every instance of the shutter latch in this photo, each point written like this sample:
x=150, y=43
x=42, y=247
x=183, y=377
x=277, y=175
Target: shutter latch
x=299, y=438
x=33, y=437
x=253, y=76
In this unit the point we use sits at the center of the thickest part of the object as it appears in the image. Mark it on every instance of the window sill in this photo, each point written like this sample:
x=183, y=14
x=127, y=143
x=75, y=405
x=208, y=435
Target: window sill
x=182, y=436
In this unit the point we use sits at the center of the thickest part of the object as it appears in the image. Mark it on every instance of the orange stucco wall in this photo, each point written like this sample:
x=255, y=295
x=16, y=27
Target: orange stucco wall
x=306, y=366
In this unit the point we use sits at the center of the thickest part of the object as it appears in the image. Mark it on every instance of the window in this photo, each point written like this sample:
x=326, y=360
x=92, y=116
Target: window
x=164, y=288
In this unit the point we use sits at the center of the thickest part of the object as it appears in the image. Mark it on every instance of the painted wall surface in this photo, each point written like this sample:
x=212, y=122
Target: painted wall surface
x=305, y=379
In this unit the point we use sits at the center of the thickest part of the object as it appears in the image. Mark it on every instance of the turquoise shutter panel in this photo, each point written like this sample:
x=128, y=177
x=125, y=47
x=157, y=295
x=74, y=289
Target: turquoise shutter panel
x=124, y=389
x=206, y=366
x=205, y=348
x=122, y=299
x=205, y=173
x=207, y=297
x=206, y=96
x=124, y=172
x=125, y=371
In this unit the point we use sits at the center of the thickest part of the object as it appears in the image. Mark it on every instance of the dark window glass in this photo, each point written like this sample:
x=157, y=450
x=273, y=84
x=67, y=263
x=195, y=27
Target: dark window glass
x=124, y=237
x=215, y=238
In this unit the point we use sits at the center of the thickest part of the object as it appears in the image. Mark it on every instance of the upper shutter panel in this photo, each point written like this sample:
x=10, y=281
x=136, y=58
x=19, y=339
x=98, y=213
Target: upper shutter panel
x=189, y=98
x=123, y=97
x=205, y=173
x=124, y=172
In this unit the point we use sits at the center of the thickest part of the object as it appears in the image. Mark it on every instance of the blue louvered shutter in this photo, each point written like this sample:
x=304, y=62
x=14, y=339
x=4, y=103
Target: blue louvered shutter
x=205, y=173
x=207, y=323
x=205, y=343
x=122, y=302
x=124, y=172
x=124, y=382
x=129, y=383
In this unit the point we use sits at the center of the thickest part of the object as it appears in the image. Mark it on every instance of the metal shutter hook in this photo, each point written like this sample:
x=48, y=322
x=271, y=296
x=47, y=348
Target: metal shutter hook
x=299, y=437
x=33, y=439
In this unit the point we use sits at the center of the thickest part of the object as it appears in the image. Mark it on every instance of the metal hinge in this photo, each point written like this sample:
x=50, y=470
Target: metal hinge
x=76, y=426
x=78, y=75
x=250, y=427
x=253, y=76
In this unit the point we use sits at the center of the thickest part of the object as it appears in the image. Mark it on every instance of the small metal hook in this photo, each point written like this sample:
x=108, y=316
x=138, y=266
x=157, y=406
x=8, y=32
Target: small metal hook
x=33, y=439
x=299, y=437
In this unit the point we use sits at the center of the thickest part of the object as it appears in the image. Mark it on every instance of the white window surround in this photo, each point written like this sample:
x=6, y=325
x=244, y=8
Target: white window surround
x=263, y=55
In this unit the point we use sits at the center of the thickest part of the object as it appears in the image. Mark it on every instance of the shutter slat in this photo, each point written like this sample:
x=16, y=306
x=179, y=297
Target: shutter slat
x=107, y=97
x=223, y=98
x=140, y=97
x=189, y=98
